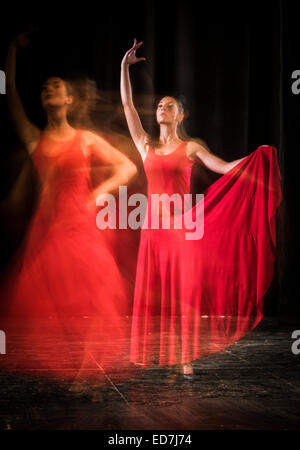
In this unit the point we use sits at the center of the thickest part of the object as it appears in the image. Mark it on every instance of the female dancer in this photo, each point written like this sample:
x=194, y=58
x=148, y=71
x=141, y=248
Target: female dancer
x=194, y=297
x=64, y=268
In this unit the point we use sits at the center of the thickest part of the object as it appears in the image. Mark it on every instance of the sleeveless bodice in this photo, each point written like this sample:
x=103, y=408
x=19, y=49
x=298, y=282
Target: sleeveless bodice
x=168, y=176
x=169, y=173
x=64, y=171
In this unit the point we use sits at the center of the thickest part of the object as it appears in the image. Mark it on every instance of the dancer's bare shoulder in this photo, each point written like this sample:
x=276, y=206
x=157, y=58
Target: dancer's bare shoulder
x=193, y=149
x=91, y=140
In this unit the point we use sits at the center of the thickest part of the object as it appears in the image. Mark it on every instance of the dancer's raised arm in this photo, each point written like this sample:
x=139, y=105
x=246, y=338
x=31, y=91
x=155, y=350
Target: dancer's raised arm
x=136, y=129
x=28, y=133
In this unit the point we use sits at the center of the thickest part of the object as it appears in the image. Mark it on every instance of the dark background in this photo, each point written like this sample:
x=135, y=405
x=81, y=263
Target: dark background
x=230, y=62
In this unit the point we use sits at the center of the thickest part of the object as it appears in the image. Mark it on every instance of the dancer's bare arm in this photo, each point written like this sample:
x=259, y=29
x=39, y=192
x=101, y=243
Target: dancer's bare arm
x=136, y=129
x=208, y=159
x=123, y=170
x=28, y=133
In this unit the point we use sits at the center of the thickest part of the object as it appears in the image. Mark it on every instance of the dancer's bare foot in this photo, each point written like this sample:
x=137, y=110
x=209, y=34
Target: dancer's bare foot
x=97, y=397
x=79, y=388
x=185, y=369
x=173, y=378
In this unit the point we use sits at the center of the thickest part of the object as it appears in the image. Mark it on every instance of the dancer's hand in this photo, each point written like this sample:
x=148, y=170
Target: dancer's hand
x=130, y=57
x=24, y=39
x=91, y=203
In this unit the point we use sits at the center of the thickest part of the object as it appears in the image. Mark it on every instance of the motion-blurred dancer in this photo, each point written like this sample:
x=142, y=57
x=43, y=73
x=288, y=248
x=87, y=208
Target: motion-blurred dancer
x=64, y=271
x=195, y=297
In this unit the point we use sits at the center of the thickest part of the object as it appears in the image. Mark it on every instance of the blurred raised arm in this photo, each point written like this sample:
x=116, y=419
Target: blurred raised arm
x=28, y=133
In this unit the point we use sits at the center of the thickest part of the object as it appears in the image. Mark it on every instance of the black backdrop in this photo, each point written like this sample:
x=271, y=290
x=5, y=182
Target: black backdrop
x=230, y=62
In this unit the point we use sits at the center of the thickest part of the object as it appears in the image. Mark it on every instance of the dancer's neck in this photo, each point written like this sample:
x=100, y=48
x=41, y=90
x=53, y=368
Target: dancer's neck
x=57, y=123
x=168, y=135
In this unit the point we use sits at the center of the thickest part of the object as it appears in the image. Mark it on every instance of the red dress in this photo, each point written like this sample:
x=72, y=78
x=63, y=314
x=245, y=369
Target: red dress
x=195, y=297
x=63, y=284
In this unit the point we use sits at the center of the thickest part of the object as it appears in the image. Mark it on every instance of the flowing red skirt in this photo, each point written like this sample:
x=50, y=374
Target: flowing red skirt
x=63, y=299
x=195, y=297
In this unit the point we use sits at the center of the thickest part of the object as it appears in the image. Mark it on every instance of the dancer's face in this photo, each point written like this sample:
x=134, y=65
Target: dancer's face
x=55, y=94
x=168, y=112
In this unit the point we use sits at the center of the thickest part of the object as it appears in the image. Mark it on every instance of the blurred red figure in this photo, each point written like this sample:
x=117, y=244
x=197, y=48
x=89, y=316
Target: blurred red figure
x=64, y=272
x=195, y=297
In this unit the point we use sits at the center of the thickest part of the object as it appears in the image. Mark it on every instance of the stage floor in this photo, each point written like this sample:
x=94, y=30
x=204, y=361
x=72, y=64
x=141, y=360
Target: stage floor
x=253, y=384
